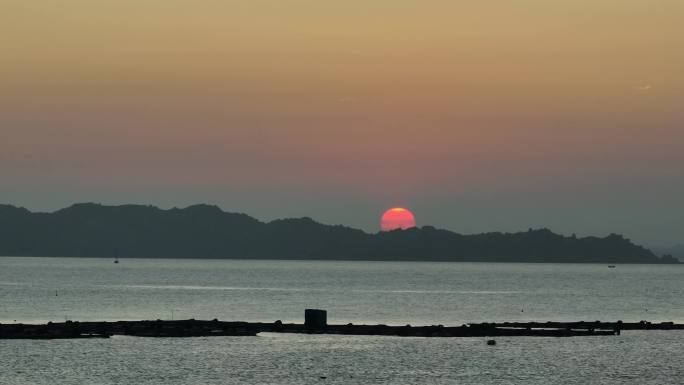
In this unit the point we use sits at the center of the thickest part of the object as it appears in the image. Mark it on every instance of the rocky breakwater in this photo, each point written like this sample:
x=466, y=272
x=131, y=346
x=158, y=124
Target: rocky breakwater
x=316, y=323
x=48, y=331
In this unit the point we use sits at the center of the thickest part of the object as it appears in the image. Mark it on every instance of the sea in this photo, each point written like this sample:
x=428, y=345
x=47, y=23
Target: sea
x=38, y=290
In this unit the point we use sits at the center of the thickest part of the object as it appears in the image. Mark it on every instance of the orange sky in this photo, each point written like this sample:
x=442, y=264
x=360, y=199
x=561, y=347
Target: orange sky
x=484, y=115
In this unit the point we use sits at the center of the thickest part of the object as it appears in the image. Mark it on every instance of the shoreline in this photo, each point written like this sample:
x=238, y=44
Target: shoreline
x=535, y=262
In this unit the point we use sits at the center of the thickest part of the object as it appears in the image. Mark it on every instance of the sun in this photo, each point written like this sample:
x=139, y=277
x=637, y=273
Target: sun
x=397, y=218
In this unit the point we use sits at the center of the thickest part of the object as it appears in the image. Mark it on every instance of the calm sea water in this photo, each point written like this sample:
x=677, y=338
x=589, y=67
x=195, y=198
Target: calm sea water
x=43, y=289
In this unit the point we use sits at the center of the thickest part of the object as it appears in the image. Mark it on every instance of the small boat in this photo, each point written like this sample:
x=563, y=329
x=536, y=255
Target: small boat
x=611, y=266
x=116, y=260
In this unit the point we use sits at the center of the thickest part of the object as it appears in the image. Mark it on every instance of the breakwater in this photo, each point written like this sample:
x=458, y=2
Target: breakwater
x=200, y=328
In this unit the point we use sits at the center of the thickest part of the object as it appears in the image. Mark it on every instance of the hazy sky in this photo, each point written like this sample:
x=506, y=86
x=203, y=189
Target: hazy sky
x=479, y=115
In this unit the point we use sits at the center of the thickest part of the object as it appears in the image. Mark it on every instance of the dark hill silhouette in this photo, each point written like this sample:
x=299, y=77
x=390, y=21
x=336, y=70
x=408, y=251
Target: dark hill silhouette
x=204, y=231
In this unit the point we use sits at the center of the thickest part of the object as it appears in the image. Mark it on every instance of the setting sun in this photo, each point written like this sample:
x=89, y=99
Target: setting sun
x=397, y=218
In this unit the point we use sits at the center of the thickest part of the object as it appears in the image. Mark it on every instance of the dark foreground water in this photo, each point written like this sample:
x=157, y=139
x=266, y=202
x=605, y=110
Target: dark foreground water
x=42, y=289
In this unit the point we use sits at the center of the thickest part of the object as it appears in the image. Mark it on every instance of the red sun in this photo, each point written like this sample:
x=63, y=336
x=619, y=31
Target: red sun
x=397, y=218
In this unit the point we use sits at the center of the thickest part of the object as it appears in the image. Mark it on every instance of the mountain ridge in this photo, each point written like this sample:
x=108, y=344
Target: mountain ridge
x=206, y=231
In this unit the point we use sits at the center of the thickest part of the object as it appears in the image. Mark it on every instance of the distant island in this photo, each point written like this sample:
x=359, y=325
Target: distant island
x=204, y=231
x=675, y=251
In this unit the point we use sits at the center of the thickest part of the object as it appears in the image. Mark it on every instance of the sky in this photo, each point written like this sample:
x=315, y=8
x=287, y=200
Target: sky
x=478, y=115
